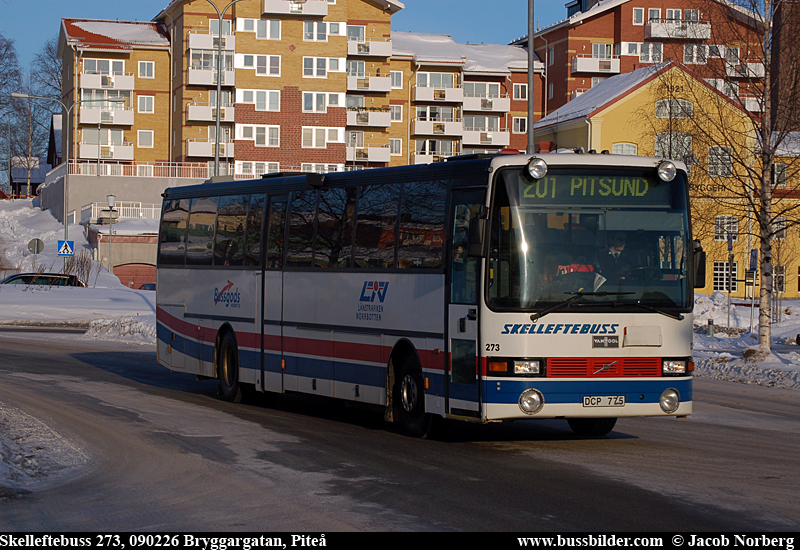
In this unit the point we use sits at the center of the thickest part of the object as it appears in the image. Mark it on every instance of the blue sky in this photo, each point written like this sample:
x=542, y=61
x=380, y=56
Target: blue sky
x=30, y=22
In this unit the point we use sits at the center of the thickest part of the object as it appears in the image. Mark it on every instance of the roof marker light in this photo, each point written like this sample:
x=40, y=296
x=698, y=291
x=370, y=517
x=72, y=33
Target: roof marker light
x=667, y=171
x=537, y=168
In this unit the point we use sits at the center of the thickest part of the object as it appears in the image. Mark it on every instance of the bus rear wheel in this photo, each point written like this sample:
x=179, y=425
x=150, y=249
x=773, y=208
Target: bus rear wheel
x=228, y=369
x=591, y=427
x=411, y=398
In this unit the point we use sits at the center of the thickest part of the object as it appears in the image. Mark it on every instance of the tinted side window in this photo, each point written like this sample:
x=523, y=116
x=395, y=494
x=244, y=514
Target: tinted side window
x=174, y=220
x=335, y=213
x=277, y=224
x=255, y=221
x=200, y=239
x=231, y=222
x=376, y=224
x=422, y=225
x=301, y=229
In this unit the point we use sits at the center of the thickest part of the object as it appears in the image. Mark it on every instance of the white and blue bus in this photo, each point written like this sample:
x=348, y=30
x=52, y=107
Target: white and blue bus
x=482, y=288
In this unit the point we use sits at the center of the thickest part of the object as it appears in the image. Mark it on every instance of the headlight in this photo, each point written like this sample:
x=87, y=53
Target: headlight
x=673, y=367
x=526, y=367
x=531, y=401
x=669, y=401
x=537, y=168
x=667, y=171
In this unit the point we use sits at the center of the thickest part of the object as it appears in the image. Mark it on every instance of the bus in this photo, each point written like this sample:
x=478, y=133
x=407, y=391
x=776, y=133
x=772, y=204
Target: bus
x=476, y=289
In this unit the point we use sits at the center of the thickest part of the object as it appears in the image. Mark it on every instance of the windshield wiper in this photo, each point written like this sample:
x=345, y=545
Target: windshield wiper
x=575, y=296
x=677, y=317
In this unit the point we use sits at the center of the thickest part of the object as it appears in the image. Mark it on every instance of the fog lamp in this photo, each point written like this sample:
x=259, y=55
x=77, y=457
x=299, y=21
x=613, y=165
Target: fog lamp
x=531, y=401
x=670, y=400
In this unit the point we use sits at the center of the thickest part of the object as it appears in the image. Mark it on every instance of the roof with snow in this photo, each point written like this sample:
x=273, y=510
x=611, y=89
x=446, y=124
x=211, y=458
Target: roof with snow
x=494, y=58
x=106, y=34
x=598, y=96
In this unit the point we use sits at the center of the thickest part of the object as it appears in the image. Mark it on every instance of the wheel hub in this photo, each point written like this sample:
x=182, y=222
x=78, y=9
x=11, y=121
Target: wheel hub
x=409, y=393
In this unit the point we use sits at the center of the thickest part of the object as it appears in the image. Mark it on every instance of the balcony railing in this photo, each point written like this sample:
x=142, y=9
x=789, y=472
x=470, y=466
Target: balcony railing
x=434, y=156
x=499, y=104
x=382, y=119
x=427, y=93
x=745, y=69
x=676, y=28
x=96, y=81
x=117, y=151
x=90, y=213
x=368, y=153
x=371, y=46
x=290, y=7
x=205, y=112
x=113, y=116
x=589, y=64
x=193, y=170
x=369, y=83
x=205, y=148
x=434, y=127
x=207, y=76
x=208, y=41
x=486, y=136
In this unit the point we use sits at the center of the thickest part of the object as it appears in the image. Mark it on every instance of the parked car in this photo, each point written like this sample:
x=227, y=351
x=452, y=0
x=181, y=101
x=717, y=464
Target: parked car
x=148, y=286
x=42, y=279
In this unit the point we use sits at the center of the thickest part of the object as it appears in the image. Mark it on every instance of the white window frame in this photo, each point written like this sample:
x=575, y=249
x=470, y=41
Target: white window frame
x=394, y=75
x=317, y=106
x=268, y=65
x=395, y=147
x=779, y=228
x=726, y=225
x=250, y=97
x=624, y=149
x=152, y=102
x=393, y=113
x=519, y=125
x=720, y=276
x=152, y=69
x=653, y=11
x=779, y=278
x=695, y=54
x=680, y=108
x=315, y=31
x=520, y=92
x=330, y=135
x=779, y=176
x=720, y=162
x=315, y=67
x=140, y=133
x=640, y=13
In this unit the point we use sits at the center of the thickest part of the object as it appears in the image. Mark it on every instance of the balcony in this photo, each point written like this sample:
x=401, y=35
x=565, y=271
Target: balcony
x=589, y=64
x=371, y=47
x=205, y=148
x=368, y=153
x=90, y=81
x=207, y=113
x=488, y=104
x=122, y=151
x=452, y=95
x=427, y=158
x=424, y=127
x=381, y=119
x=109, y=117
x=483, y=136
x=577, y=93
x=672, y=28
x=289, y=7
x=369, y=83
x=745, y=70
x=208, y=77
x=206, y=41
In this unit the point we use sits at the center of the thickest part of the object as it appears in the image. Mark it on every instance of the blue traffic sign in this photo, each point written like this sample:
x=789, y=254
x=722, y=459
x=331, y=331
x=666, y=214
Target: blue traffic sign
x=66, y=248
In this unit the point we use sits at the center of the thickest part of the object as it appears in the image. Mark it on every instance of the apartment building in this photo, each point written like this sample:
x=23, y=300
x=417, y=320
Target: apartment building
x=717, y=40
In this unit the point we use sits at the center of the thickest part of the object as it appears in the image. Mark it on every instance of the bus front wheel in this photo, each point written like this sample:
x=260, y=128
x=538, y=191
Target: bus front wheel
x=591, y=427
x=228, y=369
x=411, y=397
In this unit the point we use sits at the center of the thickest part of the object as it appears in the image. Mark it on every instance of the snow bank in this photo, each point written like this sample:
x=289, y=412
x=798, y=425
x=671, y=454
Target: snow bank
x=139, y=330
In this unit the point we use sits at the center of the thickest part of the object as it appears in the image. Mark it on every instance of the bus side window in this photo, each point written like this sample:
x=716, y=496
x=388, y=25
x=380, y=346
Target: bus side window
x=334, y=230
x=301, y=229
x=376, y=226
x=255, y=221
x=200, y=238
x=231, y=221
x=172, y=245
x=422, y=225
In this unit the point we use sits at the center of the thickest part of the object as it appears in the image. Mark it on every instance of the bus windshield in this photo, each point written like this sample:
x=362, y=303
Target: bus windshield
x=611, y=236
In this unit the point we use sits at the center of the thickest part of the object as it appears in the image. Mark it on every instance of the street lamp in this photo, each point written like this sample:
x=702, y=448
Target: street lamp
x=112, y=199
x=531, y=65
x=68, y=110
x=220, y=15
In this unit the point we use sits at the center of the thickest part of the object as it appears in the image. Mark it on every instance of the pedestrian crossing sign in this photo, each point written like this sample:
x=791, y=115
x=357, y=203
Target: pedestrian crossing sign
x=66, y=248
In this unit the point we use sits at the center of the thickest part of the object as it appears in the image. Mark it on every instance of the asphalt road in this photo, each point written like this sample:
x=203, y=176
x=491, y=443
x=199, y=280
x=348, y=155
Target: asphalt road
x=154, y=450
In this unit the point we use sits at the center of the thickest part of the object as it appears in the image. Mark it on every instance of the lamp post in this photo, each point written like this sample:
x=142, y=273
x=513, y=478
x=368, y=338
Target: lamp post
x=68, y=110
x=531, y=65
x=220, y=15
x=111, y=202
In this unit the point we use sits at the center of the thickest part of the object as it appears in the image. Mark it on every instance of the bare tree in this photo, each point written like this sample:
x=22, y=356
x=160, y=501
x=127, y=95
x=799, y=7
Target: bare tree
x=46, y=74
x=9, y=80
x=30, y=130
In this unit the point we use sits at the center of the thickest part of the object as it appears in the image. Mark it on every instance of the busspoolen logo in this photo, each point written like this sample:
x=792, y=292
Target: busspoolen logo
x=374, y=289
x=226, y=296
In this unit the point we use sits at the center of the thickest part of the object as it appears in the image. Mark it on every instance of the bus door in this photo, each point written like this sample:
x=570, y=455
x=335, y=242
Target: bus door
x=272, y=296
x=463, y=397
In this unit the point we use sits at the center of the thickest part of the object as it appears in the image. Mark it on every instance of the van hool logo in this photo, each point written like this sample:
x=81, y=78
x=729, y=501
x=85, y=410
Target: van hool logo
x=226, y=296
x=373, y=289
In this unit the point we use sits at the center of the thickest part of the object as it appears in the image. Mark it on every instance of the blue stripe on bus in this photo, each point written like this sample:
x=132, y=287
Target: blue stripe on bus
x=573, y=391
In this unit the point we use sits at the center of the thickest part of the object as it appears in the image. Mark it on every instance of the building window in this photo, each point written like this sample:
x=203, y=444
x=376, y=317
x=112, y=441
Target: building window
x=317, y=67
x=724, y=226
x=691, y=15
x=104, y=66
x=720, y=164
x=396, y=112
x=721, y=276
x=520, y=125
x=147, y=69
x=695, y=54
x=674, y=145
x=267, y=65
x=779, y=174
x=318, y=138
x=397, y=79
x=674, y=108
x=602, y=51
x=145, y=139
x=268, y=29
x=146, y=103
x=521, y=92
x=551, y=56
x=315, y=31
x=395, y=147
x=654, y=14
x=624, y=149
x=315, y=102
x=779, y=228
x=638, y=16
x=779, y=278
x=356, y=33
x=650, y=53
x=436, y=80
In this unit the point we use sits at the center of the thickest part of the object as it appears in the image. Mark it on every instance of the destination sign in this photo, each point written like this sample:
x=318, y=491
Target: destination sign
x=601, y=190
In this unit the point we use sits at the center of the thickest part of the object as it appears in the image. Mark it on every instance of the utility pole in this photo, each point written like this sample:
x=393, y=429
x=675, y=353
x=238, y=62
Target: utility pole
x=531, y=64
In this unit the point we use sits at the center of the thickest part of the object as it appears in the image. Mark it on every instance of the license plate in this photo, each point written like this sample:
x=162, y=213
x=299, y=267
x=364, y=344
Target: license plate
x=604, y=401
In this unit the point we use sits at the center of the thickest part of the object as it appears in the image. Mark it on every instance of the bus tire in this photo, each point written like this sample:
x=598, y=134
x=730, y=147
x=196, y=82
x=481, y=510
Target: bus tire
x=591, y=427
x=410, y=398
x=228, y=369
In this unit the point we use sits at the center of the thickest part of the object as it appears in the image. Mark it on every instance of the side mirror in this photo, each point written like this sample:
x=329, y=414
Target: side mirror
x=476, y=247
x=699, y=265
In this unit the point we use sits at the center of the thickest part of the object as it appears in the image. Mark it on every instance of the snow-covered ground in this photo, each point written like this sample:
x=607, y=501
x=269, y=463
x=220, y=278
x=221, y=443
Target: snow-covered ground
x=112, y=311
